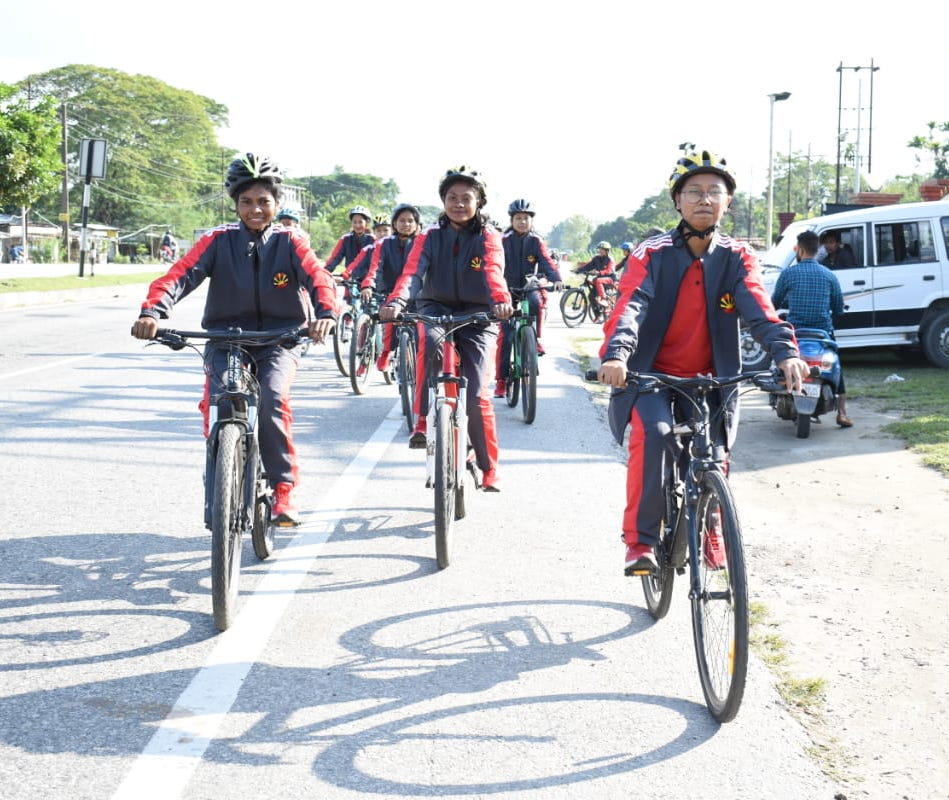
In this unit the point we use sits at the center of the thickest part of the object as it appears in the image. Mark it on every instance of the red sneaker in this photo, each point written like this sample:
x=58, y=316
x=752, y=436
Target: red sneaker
x=500, y=388
x=713, y=548
x=284, y=512
x=540, y=349
x=490, y=482
x=417, y=440
x=382, y=363
x=640, y=560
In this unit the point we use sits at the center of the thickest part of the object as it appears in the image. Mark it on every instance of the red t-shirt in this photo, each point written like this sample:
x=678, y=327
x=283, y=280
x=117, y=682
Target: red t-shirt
x=686, y=349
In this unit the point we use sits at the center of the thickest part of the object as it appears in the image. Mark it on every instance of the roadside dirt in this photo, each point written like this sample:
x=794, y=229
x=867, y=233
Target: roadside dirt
x=847, y=540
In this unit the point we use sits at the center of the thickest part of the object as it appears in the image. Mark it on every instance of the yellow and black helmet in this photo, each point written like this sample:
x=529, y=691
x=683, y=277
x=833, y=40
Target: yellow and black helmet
x=380, y=221
x=698, y=163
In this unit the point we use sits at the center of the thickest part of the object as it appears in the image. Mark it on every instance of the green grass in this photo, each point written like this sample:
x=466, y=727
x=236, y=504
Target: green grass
x=922, y=399
x=67, y=282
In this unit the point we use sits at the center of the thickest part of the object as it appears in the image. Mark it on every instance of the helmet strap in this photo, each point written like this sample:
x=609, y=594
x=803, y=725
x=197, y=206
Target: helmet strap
x=688, y=231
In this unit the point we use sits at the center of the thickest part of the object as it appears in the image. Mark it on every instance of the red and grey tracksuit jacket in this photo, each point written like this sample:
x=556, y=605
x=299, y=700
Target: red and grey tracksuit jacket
x=602, y=266
x=358, y=268
x=458, y=272
x=258, y=281
x=388, y=260
x=661, y=280
x=347, y=249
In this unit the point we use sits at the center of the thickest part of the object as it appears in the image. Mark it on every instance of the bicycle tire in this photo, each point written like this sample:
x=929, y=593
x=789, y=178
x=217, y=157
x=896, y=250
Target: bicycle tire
x=361, y=353
x=573, y=307
x=461, y=508
x=512, y=387
x=226, y=525
x=528, y=344
x=262, y=529
x=721, y=647
x=342, y=334
x=406, y=368
x=657, y=588
x=444, y=485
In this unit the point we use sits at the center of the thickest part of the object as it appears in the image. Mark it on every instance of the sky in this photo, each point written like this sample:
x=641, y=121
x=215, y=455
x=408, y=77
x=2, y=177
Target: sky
x=578, y=107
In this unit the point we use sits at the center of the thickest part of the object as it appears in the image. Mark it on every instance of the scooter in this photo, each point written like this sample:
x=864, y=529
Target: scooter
x=820, y=389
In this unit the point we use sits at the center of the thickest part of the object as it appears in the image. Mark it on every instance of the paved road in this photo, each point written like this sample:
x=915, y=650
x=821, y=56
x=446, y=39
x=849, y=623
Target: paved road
x=528, y=669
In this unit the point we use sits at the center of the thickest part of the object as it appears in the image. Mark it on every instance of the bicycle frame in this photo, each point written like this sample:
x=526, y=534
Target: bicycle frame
x=448, y=387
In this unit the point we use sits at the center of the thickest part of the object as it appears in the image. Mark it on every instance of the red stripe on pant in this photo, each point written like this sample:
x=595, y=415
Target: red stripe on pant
x=634, y=477
x=421, y=385
x=388, y=345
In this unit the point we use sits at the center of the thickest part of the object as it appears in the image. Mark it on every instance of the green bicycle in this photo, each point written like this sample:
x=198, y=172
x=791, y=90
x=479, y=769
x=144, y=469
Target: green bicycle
x=521, y=380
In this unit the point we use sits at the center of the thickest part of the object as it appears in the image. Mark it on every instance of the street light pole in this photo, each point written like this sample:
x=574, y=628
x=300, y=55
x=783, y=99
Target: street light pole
x=777, y=96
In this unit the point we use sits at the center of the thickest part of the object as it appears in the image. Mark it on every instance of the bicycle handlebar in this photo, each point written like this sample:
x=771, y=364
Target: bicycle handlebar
x=647, y=381
x=451, y=320
x=176, y=339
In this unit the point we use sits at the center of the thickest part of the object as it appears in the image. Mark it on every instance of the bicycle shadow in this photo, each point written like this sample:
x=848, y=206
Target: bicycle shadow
x=367, y=715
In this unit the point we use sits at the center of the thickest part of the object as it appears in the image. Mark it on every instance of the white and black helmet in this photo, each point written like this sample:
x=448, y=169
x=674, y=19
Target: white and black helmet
x=361, y=211
x=248, y=168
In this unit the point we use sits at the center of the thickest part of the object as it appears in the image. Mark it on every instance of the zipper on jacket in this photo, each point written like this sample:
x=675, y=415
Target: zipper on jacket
x=256, y=256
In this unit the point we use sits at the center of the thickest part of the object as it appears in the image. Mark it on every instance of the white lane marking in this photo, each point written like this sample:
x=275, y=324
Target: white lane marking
x=177, y=747
x=53, y=365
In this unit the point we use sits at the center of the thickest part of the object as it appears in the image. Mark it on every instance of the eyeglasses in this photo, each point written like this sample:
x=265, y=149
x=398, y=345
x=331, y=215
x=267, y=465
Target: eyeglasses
x=715, y=194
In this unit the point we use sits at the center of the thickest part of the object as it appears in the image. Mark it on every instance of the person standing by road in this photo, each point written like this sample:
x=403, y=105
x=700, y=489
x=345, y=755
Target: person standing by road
x=681, y=299
x=812, y=295
x=260, y=274
x=457, y=267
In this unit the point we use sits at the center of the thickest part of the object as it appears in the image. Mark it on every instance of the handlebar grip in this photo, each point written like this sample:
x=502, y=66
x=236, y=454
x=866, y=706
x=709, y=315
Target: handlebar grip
x=590, y=375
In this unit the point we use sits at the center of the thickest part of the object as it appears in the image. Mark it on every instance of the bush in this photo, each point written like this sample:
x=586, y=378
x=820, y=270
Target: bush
x=45, y=252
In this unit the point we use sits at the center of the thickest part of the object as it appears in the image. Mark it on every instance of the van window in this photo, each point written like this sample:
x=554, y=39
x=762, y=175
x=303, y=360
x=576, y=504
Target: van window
x=945, y=233
x=849, y=254
x=904, y=243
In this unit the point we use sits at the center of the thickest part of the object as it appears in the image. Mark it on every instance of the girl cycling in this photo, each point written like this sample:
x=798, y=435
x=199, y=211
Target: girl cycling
x=456, y=266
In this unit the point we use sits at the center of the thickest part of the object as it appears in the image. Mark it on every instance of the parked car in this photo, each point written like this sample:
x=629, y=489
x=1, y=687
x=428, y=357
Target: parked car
x=896, y=292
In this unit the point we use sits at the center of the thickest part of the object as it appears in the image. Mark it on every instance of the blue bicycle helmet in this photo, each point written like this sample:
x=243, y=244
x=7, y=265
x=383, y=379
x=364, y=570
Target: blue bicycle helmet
x=627, y=246
x=289, y=213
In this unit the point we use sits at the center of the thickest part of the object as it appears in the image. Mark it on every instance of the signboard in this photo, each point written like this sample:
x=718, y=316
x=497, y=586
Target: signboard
x=92, y=158
x=112, y=234
x=63, y=217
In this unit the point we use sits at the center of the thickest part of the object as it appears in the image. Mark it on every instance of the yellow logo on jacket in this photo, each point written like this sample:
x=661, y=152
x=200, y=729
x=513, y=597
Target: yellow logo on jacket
x=727, y=303
x=281, y=281
x=475, y=263
x=531, y=259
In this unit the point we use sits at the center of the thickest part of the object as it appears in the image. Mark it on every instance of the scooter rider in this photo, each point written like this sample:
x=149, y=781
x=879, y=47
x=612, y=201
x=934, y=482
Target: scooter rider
x=259, y=274
x=525, y=253
x=681, y=299
x=811, y=293
x=457, y=267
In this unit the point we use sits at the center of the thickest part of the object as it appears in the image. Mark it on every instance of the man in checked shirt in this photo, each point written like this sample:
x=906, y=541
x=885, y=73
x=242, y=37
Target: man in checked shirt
x=811, y=294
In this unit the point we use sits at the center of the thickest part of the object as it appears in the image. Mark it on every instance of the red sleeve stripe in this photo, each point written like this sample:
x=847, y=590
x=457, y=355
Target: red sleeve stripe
x=325, y=288
x=335, y=256
x=633, y=276
x=401, y=290
x=494, y=267
x=369, y=281
x=752, y=279
x=160, y=286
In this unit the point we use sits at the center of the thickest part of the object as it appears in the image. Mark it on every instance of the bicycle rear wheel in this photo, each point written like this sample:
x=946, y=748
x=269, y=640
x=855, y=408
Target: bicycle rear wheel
x=407, y=378
x=720, y=611
x=342, y=334
x=227, y=524
x=528, y=344
x=444, y=484
x=361, y=353
x=573, y=307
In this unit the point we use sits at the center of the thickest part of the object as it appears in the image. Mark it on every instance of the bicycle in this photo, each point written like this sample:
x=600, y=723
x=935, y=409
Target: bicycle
x=582, y=300
x=521, y=380
x=343, y=332
x=698, y=501
x=446, y=445
x=366, y=344
x=236, y=493
x=405, y=369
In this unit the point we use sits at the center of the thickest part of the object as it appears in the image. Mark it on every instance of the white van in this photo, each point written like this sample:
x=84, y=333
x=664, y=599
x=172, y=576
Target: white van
x=896, y=291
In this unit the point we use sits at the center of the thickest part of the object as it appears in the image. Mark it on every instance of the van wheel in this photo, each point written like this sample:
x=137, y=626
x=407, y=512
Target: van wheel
x=935, y=339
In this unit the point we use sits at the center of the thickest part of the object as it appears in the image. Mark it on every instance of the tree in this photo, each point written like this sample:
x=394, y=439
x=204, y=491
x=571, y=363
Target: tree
x=936, y=146
x=164, y=163
x=571, y=234
x=28, y=149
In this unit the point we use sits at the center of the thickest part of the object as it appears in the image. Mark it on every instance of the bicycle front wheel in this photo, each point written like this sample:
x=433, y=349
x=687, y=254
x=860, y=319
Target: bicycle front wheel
x=262, y=529
x=573, y=307
x=444, y=484
x=528, y=344
x=227, y=524
x=406, y=369
x=720, y=610
x=361, y=353
x=342, y=334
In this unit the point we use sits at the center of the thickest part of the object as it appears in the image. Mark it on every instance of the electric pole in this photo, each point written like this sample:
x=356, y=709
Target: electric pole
x=64, y=201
